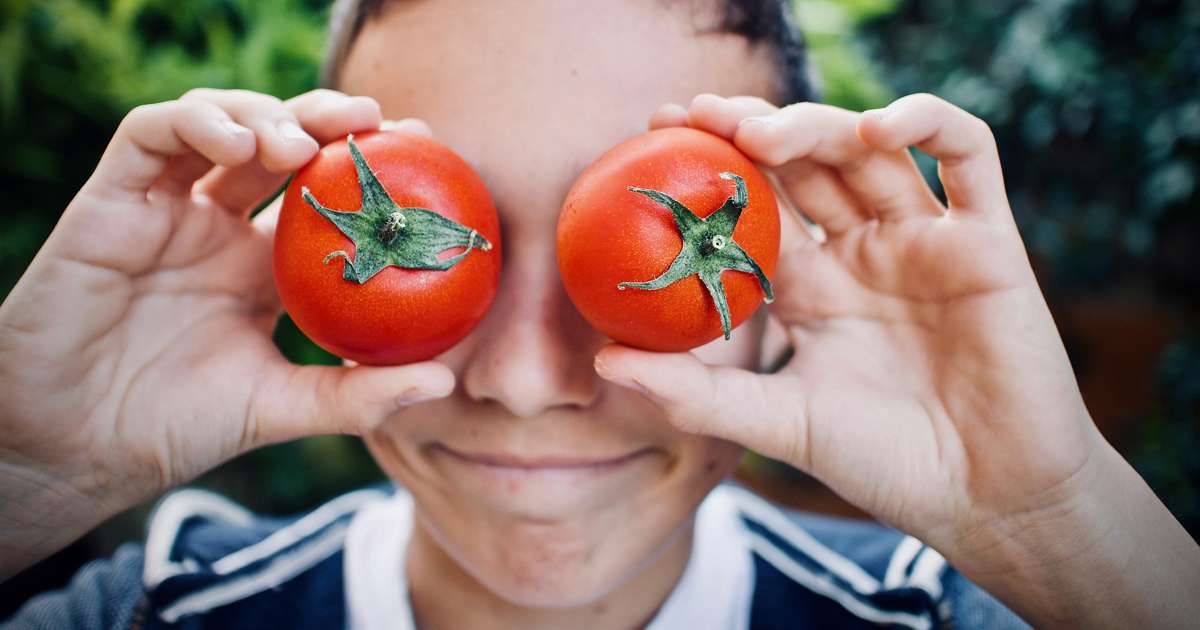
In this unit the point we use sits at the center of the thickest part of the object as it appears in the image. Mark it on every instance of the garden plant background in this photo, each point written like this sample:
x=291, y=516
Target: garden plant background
x=1095, y=104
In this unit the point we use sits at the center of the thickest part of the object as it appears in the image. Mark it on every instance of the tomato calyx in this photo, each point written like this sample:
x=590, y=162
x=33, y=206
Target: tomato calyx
x=708, y=248
x=384, y=234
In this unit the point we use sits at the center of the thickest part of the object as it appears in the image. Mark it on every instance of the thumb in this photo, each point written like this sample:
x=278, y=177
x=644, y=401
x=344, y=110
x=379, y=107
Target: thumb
x=759, y=411
x=294, y=401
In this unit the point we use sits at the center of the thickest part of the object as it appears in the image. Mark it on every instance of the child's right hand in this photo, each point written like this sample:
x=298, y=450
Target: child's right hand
x=136, y=353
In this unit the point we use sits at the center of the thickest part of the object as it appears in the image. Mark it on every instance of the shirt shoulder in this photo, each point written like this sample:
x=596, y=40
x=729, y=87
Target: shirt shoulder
x=822, y=571
x=211, y=563
x=208, y=562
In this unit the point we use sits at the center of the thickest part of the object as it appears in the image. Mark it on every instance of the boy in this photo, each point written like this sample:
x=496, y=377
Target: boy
x=551, y=480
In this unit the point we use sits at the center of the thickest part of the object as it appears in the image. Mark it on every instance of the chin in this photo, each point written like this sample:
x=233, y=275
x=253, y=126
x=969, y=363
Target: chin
x=543, y=564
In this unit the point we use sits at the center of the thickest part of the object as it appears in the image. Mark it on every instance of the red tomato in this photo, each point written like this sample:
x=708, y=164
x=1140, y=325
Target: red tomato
x=346, y=293
x=609, y=235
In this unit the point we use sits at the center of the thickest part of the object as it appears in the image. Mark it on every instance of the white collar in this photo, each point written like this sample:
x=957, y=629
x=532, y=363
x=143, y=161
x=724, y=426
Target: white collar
x=714, y=591
x=377, y=596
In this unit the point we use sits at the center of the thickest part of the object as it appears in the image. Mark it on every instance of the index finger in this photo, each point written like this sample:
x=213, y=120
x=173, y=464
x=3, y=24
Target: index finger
x=150, y=135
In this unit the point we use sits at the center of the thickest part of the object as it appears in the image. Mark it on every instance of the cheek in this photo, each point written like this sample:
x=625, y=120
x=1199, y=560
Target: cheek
x=713, y=459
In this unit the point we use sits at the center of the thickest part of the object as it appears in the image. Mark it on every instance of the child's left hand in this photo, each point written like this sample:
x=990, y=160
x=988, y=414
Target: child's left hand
x=929, y=385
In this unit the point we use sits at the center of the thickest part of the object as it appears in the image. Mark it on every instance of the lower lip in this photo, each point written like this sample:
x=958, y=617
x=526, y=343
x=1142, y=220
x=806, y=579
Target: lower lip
x=541, y=481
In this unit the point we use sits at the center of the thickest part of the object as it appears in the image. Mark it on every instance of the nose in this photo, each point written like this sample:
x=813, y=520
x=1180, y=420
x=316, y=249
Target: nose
x=534, y=352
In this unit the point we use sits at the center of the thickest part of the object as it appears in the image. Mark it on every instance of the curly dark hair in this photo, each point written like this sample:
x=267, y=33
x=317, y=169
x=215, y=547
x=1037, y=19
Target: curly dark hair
x=767, y=22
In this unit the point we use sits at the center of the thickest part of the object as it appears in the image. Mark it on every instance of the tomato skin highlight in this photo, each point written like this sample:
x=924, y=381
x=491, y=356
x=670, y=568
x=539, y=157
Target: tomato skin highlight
x=400, y=315
x=608, y=234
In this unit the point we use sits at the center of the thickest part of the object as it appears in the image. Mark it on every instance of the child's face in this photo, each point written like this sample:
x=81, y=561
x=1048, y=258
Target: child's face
x=529, y=93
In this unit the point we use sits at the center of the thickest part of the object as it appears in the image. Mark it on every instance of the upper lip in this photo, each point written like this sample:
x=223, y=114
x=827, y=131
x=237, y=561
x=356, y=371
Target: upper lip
x=505, y=460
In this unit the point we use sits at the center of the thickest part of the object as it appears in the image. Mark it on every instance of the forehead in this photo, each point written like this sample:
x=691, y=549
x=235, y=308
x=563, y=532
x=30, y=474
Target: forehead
x=541, y=87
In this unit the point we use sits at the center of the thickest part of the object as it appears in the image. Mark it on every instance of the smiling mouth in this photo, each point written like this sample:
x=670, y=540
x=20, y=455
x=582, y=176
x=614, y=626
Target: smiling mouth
x=514, y=462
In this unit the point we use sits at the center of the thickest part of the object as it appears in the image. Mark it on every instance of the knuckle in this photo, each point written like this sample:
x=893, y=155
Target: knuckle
x=924, y=99
x=347, y=423
x=755, y=103
x=142, y=115
x=348, y=412
x=194, y=108
x=252, y=96
x=979, y=129
x=312, y=98
x=197, y=93
x=323, y=93
x=796, y=111
x=251, y=104
x=141, y=112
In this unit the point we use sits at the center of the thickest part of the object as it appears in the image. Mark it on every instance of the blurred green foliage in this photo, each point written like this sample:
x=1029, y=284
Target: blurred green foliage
x=1095, y=104
x=1096, y=107
x=847, y=75
x=71, y=69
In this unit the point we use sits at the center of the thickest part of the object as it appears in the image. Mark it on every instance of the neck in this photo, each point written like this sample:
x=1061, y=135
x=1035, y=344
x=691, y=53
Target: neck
x=445, y=596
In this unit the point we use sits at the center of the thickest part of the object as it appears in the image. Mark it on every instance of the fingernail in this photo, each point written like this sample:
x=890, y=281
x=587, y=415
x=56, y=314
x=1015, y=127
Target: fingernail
x=705, y=96
x=878, y=114
x=364, y=100
x=416, y=395
x=233, y=128
x=603, y=371
x=291, y=131
x=632, y=384
x=600, y=366
x=765, y=121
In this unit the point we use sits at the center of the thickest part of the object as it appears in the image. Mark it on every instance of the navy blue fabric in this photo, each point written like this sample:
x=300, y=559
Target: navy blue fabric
x=768, y=603
x=108, y=594
x=781, y=604
x=312, y=599
x=203, y=542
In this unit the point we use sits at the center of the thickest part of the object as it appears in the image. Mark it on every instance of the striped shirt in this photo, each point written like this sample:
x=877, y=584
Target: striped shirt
x=209, y=563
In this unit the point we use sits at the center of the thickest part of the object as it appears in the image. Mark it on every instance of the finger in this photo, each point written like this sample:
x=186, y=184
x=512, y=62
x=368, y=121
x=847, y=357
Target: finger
x=265, y=221
x=328, y=115
x=969, y=162
x=819, y=192
x=887, y=183
x=669, y=115
x=795, y=230
x=283, y=145
x=295, y=401
x=721, y=116
x=144, y=144
x=761, y=412
x=325, y=115
x=814, y=189
x=409, y=125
